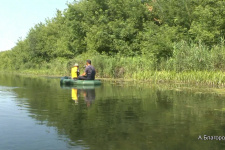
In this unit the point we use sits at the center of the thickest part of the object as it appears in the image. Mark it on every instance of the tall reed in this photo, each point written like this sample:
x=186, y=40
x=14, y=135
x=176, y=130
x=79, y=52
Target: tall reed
x=190, y=63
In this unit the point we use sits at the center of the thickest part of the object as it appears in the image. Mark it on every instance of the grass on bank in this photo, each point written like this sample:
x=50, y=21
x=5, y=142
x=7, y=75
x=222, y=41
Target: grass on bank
x=190, y=63
x=210, y=78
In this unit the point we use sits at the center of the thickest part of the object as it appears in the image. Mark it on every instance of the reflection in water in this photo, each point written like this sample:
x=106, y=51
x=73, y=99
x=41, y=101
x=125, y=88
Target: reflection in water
x=122, y=117
x=88, y=94
x=74, y=95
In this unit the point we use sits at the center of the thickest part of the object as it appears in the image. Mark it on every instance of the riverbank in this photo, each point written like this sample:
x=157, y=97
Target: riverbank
x=186, y=65
x=208, y=78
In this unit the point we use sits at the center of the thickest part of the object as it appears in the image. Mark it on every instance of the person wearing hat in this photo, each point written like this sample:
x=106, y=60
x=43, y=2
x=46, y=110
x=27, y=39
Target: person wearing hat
x=75, y=71
x=89, y=73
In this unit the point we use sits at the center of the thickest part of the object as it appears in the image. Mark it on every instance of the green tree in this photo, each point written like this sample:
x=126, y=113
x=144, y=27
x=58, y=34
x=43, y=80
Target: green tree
x=208, y=23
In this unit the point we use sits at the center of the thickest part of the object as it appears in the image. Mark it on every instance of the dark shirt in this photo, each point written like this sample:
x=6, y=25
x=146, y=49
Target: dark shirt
x=90, y=72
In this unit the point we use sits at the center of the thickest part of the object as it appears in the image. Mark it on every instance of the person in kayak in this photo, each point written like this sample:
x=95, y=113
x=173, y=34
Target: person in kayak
x=75, y=71
x=89, y=73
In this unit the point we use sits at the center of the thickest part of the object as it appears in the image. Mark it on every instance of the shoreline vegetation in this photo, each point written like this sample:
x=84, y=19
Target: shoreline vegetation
x=179, y=42
x=122, y=73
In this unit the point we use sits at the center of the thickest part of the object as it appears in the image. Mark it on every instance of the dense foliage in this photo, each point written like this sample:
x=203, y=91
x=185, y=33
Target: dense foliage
x=152, y=34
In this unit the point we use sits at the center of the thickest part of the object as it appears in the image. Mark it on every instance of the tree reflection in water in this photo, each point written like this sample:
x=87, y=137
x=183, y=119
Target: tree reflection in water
x=124, y=116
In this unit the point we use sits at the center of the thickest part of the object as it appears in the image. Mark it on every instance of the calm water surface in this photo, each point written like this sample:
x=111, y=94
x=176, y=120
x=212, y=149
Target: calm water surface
x=36, y=113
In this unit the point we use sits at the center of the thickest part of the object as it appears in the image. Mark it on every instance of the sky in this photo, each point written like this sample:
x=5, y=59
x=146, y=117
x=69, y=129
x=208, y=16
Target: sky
x=17, y=17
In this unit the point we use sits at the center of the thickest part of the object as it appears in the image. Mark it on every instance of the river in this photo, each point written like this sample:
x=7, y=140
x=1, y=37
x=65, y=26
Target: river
x=36, y=113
